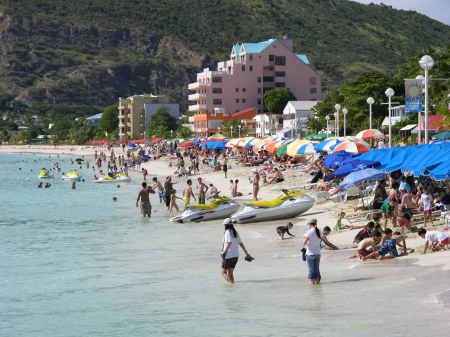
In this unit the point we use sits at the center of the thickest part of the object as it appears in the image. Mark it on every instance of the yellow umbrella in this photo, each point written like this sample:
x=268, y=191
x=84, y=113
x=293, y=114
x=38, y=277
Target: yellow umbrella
x=293, y=147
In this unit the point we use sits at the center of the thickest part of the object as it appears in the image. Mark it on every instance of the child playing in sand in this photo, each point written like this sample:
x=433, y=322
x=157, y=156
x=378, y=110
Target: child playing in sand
x=339, y=226
x=281, y=230
x=368, y=245
x=437, y=239
x=388, y=245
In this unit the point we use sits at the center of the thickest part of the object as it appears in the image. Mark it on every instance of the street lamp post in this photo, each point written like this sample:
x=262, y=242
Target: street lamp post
x=370, y=101
x=389, y=93
x=337, y=107
x=231, y=131
x=426, y=63
x=419, y=115
x=171, y=133
x=345, y=112
x=328, y=127
x=239, y=127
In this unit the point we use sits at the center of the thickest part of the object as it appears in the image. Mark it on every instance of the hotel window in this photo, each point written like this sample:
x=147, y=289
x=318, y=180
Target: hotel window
x=268, y=79
x=243, y=67
x=270, y=68
x=250, y=68
x=258, y=79
x=280, y=60
x=217, y=79
x=237, y=100
x=237, y=89
x=243, y=89
x=280, y=73
x=313, y=91
x=313, y=80
x=280, y=84
x=250, y=57
x=243, y=100
x=216, y=90
x=271, y=58
x=217, y=101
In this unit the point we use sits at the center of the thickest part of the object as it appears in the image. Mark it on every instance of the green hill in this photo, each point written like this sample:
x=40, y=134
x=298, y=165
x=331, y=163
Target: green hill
x=93, y=51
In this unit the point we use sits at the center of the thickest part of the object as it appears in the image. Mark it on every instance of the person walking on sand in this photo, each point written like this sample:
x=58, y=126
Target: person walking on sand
x=202, y=189
x=143, y=197
x=255, y=182
x=230, y=251
x=312, y=243
x=225, y=166
x=187, y=194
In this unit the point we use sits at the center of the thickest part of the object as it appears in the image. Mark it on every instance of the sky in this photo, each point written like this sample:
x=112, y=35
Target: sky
x=436, y=9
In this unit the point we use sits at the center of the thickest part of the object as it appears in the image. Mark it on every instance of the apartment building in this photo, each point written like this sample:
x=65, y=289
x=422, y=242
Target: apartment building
x=135, y=112
x=240, y=82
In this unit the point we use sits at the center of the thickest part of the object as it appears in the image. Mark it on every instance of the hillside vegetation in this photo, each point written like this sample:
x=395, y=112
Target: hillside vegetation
x=90, y=52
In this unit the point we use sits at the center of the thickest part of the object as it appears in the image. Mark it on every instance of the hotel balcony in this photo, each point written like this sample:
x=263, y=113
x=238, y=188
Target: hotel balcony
x=195, y=85
x=196, y=97
x=197, y=107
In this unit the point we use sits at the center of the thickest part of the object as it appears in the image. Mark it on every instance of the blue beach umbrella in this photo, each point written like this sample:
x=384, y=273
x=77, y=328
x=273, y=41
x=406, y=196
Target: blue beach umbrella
x=361, y=176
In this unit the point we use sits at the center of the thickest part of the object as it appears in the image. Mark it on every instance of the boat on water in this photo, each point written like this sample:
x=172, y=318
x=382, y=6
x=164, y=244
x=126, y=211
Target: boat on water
x=44, y=174
x=219, y=208
x=72, y=175
x=119, y=178
x=122, y=177
x=288, y=205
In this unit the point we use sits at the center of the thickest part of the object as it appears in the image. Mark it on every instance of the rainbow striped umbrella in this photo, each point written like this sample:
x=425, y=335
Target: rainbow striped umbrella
x=293, y=148
x=352, y=147
x=328, y=145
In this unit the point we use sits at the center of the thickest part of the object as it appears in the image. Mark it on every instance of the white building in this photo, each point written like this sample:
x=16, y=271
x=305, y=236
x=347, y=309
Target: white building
x=296, y=115
x=267, y=124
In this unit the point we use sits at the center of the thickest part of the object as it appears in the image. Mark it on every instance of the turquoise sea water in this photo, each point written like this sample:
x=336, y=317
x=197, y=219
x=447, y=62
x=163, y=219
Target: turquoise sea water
x=74, y=263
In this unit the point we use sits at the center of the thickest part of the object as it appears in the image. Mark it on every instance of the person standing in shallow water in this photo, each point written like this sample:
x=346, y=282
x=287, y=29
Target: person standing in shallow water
x=230, y=251
x=312, y=243
x=143, y=197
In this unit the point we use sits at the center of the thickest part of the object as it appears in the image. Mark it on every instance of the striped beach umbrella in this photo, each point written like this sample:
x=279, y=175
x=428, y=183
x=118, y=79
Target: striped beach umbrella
x=293, y=148
x=328, y=145
x=308, y=148
x=246, y=142
x=258, y=143
x=370, y=134
x=352, y=147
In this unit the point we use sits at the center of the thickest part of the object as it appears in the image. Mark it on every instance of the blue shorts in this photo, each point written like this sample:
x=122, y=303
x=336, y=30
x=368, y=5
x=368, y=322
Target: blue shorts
x=389, y=247
x=313, y=262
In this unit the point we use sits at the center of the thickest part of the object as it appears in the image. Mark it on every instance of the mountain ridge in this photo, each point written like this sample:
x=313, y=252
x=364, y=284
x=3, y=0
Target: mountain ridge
x=93, y=51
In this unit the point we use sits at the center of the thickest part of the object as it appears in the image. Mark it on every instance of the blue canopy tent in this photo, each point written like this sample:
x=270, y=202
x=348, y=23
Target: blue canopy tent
x=361, y=176
x=132, y=145
x=337, y=159
x=443, y=135
x=432, y=159
x=214, y=144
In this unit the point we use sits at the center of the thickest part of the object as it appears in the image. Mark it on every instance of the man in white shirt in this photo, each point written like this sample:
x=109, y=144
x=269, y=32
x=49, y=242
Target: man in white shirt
x=437, y=239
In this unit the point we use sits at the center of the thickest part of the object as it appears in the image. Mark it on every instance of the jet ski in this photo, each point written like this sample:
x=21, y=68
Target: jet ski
x=122, y=177
x=288, y=205
x=104, y=179
x=219, y=208
x=72, y=175
x=44, y=174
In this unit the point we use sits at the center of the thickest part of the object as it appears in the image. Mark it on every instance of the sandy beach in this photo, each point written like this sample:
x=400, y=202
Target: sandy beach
x=324, y=210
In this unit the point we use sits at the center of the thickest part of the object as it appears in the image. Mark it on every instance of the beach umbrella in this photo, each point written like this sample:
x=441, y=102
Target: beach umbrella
x=352, y=147
x=233, y=142
x=258, y=143
x=318, y=136
x=132, y=145
x=301, y=149
x=361, y=176
x=156, y=140
x=187, y=144
x=327, y=145
x=214, y=144
x=370, y=134
x=293, y=147
x=246, y=142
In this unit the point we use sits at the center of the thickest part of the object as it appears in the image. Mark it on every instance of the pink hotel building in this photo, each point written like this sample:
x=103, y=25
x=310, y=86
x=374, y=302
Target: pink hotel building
x=240, y=82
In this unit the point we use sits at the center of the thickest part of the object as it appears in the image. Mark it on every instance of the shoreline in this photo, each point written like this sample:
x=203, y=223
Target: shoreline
x=325, y=212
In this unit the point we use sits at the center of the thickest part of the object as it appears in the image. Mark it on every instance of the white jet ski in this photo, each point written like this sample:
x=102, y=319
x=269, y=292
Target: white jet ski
x=288, y=205
x=122, y=177
x=219, y=208
x=45, y=174
x=104, y=179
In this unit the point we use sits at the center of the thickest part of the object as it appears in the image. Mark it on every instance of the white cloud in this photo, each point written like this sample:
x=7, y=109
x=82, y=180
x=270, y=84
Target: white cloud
x=436, y=9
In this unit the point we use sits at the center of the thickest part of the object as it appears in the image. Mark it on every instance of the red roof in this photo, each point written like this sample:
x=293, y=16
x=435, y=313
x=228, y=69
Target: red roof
x=434, y=123
x=243, y=114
